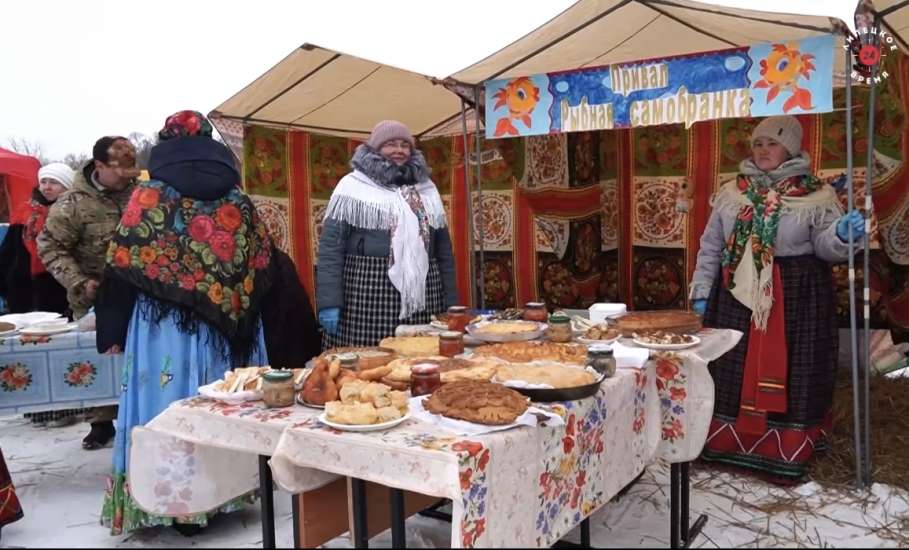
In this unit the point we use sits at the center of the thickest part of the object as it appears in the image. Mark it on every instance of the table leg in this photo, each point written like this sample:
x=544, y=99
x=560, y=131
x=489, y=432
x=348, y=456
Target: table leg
x=358, y=497
x=674, y=530
x=398, y=534
x=684, y=514
x=295, y=508
x=434, y=513
x=585, y=533
x=266, y=487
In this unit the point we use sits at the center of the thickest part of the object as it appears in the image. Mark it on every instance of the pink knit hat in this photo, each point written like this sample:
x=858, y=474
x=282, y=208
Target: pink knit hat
x=388, y=130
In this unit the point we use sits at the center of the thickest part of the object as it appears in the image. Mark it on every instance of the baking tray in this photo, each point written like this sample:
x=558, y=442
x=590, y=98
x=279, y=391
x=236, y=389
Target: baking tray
x=562, y=394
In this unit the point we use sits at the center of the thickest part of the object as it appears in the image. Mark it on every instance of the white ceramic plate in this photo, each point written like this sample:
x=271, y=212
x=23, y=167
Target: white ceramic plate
x=308, y=404
x=475, y=331
x=439, y=325
x=591, y=342
x=22, y=320
x=235, y=398
x=39, y=330
x=363, y=427
x=691, y=344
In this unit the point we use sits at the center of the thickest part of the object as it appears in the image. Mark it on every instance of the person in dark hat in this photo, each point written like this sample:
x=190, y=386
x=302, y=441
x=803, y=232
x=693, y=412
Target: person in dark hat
x=73, y=244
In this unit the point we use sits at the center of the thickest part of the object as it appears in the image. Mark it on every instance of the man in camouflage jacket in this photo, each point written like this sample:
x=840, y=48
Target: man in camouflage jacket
x=73, y=244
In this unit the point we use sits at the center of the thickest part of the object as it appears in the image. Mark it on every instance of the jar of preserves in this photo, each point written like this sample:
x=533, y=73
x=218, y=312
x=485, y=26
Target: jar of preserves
x=349, y=361
x=278, y=388
x=559, y=328
x=600, y=358
x=535, y=311
x=451, y=343
x=425, y=378
x=457, y=318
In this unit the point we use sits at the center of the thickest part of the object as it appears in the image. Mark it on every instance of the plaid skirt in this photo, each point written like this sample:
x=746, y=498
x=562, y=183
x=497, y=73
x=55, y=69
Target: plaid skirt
x=812, y=344
x=372, y=303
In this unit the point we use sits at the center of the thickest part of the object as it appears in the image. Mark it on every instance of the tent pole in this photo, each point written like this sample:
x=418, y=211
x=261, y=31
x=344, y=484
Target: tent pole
x=853, y=330
x=482, y=281
x=869, y=183
x=471, y=265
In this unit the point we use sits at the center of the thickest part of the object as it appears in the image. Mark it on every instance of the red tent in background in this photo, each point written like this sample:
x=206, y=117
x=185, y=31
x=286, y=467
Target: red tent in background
x=19, y=174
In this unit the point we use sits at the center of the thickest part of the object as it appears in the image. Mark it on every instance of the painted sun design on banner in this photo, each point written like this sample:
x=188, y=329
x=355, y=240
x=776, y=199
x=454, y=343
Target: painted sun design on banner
x=781, y=70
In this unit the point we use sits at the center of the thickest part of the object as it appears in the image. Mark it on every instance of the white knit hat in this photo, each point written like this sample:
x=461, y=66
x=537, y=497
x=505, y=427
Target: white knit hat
x=59, y=172
x=785, y=130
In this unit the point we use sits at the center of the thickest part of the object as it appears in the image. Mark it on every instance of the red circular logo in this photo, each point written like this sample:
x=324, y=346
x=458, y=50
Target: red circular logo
x=869, y=55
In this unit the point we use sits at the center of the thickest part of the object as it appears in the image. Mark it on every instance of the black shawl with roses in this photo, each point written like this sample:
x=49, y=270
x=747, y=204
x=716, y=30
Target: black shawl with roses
x=191, y=239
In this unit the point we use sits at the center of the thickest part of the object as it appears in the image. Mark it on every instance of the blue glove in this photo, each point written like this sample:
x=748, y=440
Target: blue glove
x=855, y=219
x=699, y=306
x=329, y=318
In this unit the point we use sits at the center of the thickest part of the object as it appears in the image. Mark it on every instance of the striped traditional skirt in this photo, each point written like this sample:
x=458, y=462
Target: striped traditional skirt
x=372, y=303
x=782, y=452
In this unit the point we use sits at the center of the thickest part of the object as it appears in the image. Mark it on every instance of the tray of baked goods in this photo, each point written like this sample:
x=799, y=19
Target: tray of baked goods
x=506, y=331
x=666, y=320
x=543, y=371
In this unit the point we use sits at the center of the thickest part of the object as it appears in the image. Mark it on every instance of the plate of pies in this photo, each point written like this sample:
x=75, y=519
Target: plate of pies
x=662, y=340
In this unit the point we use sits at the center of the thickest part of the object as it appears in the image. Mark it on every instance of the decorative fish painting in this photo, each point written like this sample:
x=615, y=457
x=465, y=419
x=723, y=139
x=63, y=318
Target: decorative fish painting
x=782, y=70
x=521, y=97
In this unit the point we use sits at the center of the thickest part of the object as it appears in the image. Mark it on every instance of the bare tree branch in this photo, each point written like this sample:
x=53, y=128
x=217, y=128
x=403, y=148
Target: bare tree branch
x=25, y=146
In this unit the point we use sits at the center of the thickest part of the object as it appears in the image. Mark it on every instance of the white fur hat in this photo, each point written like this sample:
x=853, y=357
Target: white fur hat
x=59, y=172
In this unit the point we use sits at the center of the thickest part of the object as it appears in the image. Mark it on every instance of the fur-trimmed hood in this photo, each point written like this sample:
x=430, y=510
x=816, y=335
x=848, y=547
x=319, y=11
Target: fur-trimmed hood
x=385, y=172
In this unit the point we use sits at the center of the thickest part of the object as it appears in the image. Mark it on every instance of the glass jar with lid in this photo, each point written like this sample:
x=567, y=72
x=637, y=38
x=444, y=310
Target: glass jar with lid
x=349, y=361
x=458, y=318
x=278, y=388
x=451, y=343
x=601, y=359
x=559, y=328
x=535, y=311
x=425, y=378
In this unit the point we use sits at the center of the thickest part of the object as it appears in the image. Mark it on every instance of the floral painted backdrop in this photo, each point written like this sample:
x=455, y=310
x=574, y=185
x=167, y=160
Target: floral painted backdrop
x=599, y=216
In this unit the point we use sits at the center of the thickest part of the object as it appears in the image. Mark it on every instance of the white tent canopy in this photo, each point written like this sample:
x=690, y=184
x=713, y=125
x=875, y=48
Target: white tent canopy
x=895, y=15
x=328, y=92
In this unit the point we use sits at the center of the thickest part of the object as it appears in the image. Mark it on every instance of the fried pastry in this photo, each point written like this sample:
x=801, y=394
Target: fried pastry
x=351, y=413
x=478, y=402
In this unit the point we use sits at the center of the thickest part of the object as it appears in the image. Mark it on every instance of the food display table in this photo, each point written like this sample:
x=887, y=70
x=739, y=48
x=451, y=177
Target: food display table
x=63, y=371
x=525, y=487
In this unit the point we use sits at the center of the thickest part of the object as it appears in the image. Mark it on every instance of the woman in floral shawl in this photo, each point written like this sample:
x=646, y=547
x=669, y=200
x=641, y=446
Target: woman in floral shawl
x=187, y=269
x=763, y=269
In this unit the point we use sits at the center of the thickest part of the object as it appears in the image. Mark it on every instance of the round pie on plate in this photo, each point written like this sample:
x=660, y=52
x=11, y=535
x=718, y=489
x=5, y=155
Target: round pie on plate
x=477, y=402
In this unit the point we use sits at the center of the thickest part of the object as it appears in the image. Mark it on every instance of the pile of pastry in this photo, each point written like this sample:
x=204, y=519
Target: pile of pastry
x=602, y=331
x=249, y=379
x=364, y=403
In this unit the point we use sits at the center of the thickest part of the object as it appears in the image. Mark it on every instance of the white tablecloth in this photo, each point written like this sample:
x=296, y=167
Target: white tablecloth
x=524, y=487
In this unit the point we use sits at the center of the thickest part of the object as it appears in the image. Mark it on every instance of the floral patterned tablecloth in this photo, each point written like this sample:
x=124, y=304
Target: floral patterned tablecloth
x=523, y=487
x=62, y=371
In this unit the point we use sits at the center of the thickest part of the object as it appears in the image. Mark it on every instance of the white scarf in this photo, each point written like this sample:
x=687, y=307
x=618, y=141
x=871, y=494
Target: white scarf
x=361, y=202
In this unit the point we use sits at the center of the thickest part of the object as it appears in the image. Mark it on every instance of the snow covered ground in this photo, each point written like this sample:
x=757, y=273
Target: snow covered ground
x=61, y=486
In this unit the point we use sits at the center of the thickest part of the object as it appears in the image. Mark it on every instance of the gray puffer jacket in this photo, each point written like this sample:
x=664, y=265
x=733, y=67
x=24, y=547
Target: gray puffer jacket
x=339, y=238
x=796, y=236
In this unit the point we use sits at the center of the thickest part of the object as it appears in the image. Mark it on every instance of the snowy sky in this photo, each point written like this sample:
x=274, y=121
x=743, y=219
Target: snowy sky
x=73, y=71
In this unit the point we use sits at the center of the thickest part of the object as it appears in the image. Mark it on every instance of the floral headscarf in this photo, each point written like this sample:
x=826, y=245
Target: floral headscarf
x=185, y=123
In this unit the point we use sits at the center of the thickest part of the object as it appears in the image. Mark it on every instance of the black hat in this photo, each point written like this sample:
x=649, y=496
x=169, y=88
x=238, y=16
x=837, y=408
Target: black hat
x=99, y=151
